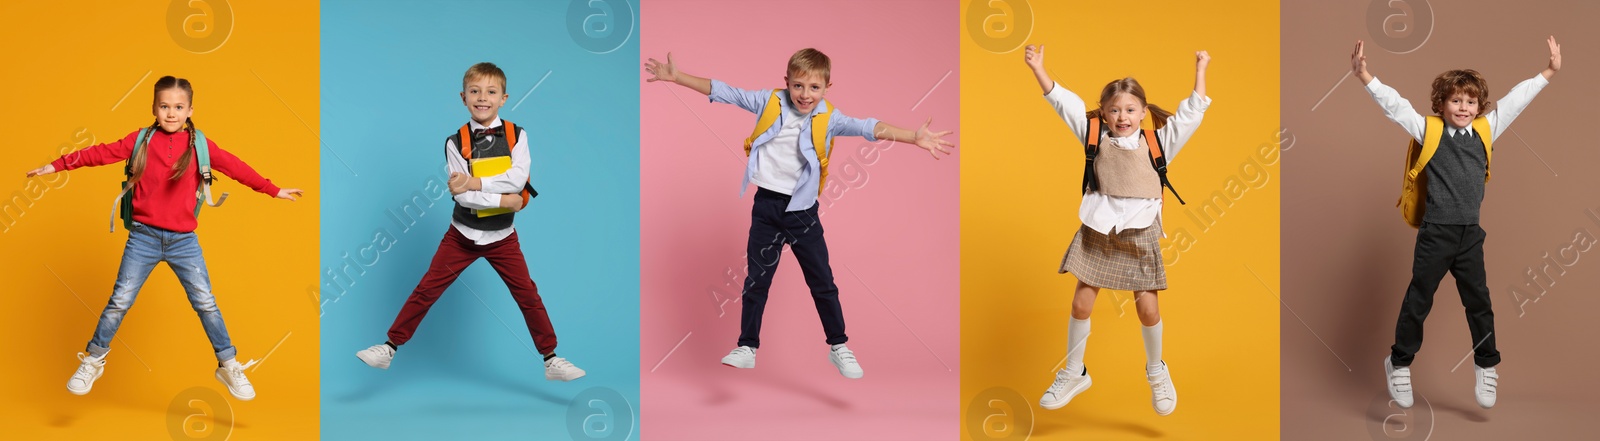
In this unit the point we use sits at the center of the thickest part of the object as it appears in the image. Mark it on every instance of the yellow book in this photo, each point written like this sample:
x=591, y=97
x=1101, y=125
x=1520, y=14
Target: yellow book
x=485, y=167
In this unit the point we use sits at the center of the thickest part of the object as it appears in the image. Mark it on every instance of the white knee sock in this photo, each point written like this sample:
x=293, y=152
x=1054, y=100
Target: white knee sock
x=1152, y=346
x=1077, y=338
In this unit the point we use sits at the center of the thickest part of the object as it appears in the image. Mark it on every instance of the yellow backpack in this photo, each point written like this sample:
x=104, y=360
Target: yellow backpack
x=819, y=132
x=1414, y=184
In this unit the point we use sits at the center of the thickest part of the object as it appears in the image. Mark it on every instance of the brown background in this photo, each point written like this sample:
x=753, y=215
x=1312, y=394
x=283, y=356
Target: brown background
x=1347, y=253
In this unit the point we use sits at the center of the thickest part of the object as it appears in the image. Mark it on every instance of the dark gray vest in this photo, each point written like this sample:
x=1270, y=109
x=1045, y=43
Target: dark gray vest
x=1455, y=180
x=484, y=147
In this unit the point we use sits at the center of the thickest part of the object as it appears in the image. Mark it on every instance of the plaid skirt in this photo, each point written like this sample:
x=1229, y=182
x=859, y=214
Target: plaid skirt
x=1128, y=260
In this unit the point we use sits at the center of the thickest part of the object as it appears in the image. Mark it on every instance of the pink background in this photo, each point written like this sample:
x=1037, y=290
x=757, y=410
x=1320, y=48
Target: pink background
x=892, y=234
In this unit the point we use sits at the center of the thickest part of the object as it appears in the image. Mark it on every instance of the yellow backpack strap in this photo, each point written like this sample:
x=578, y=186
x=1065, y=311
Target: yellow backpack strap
x=1481, y=125
x=821, y=143
x=769, y=116
x=1431, y=135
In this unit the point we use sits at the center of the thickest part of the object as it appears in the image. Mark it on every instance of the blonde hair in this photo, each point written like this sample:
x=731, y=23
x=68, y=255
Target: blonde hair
x=137, y=163
x=810, y=61
x=1131, y=86
x=484, y=69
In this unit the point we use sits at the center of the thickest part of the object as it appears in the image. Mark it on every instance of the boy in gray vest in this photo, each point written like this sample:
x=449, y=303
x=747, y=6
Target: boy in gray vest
x=481, y=225
x=1449, y=238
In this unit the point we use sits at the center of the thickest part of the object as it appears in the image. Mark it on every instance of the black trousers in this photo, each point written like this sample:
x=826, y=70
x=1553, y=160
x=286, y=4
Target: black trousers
x=1457, y=249
x=770, y=229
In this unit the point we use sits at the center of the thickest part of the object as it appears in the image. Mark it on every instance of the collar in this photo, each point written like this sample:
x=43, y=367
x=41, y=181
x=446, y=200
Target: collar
x=1129, y=142
x=473, y=124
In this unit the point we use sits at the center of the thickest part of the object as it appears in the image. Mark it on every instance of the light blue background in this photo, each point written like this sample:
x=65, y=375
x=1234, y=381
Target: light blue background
x=391, y=74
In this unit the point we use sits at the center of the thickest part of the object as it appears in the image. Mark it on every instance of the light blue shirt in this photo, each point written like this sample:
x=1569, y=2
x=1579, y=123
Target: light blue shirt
x=755, y=101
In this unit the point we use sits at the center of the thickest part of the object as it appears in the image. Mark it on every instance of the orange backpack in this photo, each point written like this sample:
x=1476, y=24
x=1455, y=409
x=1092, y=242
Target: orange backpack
x=528, y=192
x=1158, y=159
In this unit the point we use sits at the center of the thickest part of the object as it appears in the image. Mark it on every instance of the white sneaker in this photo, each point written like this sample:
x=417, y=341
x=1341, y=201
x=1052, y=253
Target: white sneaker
x=743, y=357
x=1163, y=397
x=845, y=360
x=1488, y=384
x=1066, y=386
x=89, y=369
x=557, y=368
x=1399, y=380
x=231, y=374
x=377, y=356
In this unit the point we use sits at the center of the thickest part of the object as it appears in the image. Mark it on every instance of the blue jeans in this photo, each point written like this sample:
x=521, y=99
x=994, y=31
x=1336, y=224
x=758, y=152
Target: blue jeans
x=146, y=247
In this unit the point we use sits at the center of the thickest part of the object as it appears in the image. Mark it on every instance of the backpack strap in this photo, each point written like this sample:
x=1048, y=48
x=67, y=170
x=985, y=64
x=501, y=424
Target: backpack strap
x=1431, y=134
x=769, y=116
x=511, y=134
x=1158, y=159
x=1091, y=147
x=202, y=155
x=821, y=143
x=1481, y=125
x=464, y=142
x=138, y=146
x=122, y=205
x=511, y=142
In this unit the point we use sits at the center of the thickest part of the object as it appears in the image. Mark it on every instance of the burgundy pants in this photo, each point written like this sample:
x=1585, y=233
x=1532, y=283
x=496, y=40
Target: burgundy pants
x=455, y=253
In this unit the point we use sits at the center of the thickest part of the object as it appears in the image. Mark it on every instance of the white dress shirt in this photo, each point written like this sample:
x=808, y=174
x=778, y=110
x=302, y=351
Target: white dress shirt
x=509, y=182
x=1108, y=214
x=1399, y=110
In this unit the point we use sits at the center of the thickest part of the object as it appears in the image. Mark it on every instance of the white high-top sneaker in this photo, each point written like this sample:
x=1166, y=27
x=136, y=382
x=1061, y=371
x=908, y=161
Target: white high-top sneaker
x=90, y=368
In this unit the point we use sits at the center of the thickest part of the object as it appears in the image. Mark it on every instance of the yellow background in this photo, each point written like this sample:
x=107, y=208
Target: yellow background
x=67, y=65
x=1020, y=176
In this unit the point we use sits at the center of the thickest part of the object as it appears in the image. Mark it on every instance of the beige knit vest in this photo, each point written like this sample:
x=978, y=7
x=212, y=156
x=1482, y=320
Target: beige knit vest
x=1126, y=173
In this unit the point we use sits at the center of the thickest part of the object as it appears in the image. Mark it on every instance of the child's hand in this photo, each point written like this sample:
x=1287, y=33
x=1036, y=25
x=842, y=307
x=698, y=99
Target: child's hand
x=663, y=71
x=932, y=141
x=513, y=201
x=288, y=193
x=1201, y=60
x=1555, y=58
x=458, y=183
x=1034, y=56
x=1358, y=62
x=47, y=169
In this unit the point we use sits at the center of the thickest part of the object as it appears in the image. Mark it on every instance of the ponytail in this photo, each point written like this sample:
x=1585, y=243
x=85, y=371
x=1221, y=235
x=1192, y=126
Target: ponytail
x=188, y=155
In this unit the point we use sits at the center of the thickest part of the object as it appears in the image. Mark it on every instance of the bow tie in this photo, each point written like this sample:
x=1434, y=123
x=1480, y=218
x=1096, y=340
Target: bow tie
x=479, y=133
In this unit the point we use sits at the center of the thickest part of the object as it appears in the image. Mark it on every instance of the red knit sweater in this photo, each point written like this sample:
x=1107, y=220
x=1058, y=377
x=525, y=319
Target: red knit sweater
x=160, y=202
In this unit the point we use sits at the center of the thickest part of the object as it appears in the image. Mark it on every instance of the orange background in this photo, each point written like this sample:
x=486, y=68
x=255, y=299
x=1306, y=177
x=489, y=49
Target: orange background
x=1020, y=171
x=80, y=73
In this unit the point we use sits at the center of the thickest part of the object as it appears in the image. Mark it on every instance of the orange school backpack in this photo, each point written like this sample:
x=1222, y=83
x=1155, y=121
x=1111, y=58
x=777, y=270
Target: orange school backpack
x=1158, y=158
x=1414, y=184
x=528, y=193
